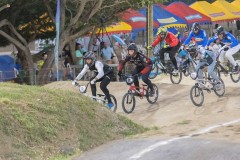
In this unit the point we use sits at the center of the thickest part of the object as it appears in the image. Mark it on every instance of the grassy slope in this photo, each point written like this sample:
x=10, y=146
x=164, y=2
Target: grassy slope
x=37, y=122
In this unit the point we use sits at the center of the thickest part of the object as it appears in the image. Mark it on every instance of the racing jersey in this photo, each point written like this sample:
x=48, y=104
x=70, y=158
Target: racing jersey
x=227, y=39
x=200, y=38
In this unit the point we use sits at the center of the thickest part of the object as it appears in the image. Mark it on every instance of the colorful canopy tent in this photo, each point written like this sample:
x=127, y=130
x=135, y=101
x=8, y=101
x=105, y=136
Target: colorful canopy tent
x=227, y=7
x=216, y=14
x=165, y=18
x=136, y=20
x=188, y=14
x=161, y=5
x=120, y=27
x=7, y=68
x=236, y=3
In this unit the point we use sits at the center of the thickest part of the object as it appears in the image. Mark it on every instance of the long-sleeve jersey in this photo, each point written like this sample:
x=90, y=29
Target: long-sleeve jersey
x=200, y=38
x=170, y=40
x=139, y=60
x=227, y=39
x=99, y=68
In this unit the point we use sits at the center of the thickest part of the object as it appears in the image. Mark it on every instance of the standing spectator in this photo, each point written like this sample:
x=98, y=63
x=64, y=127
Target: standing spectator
x=67, y=61
x=80, y=51
x=96, y=44
x=185, y=36
x=107, y=53
x=42, y=61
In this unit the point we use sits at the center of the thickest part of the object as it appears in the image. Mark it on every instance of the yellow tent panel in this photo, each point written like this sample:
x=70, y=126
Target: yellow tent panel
x=236, y=3
x=216, y=14
x=117, y=28
x=227, y=7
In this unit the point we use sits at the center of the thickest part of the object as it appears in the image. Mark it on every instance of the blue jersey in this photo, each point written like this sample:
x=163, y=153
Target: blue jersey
x=227, y=39
x=200, y=38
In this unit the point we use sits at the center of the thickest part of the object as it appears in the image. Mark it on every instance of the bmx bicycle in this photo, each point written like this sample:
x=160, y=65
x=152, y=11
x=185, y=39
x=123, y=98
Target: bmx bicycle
x=129, y=100
x=101, y=98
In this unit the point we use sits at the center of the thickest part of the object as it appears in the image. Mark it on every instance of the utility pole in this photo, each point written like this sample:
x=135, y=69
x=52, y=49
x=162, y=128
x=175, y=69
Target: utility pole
x=149, y=27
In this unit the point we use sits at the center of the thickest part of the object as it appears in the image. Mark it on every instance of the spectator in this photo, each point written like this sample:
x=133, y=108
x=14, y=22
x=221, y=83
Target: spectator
x=67, y=61
x=96, y=44
x=80, y=51
x=41, y=62
x=107, y=53
x=185, y=36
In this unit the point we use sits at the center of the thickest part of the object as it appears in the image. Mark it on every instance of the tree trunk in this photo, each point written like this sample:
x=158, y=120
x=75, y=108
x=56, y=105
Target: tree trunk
x=27, y=64
x=49, y=64
x=42, y=76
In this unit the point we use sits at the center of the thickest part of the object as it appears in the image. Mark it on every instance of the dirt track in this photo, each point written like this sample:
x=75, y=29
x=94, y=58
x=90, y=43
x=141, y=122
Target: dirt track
x=174, y=112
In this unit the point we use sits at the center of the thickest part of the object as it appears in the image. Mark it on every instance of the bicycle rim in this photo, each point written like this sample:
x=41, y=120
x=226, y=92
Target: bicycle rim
x=176, y=79
x=128, y=103
x=197, y=96
x=114, y=101
x=234, y=77
x=220, y=90
x=154, y=98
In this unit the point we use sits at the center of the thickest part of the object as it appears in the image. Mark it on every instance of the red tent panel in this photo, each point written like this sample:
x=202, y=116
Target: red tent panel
x=136, y=19
x=190, y=15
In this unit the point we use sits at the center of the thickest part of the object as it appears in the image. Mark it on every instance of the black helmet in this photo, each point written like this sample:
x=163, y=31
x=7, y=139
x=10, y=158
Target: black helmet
x=220, y=30
x=133, y=46
x=195, y=26
x=90, y=55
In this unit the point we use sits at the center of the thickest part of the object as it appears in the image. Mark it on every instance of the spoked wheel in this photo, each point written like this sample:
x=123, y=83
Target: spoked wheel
x=196, y=95
x=154, y=72
x=176, y=78
x=234, y=77
x=128, y=103
x=114, y=101
x=219, y=89
x=153, y=98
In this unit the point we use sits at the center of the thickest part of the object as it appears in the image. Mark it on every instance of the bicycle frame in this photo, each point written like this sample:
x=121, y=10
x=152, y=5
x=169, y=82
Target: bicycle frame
x=203, y=83
x=83, y=90
x=142, y=90
x=132, y=88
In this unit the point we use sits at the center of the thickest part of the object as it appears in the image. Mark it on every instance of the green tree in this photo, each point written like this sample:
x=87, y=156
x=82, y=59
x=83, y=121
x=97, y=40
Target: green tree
x=21, y=23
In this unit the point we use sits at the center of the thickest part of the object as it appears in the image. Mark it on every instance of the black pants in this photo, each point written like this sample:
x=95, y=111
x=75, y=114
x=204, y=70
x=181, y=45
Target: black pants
x=105, y=80
x=172, y=52
x=144, y=77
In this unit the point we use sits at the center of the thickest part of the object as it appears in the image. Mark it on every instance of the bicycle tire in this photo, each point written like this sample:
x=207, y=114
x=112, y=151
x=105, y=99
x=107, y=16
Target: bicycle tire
x=130, y=100
x=114, y=101
x=223, y=89
x=233, y=78
x=196, y=92
x=172, y=76
x=154, y=72
x=155, y=98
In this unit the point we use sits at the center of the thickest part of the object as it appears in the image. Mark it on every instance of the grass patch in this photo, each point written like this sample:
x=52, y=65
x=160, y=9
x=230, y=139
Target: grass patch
x=40, y=123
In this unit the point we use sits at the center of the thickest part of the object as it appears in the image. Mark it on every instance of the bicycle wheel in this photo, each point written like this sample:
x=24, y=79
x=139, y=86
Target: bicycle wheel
x=154, y=98
x=128, y=103
x=114, y=101
x=154, y=71
x=219, y=90
x=234, y=77
x=196, y=95
x=176, y=78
